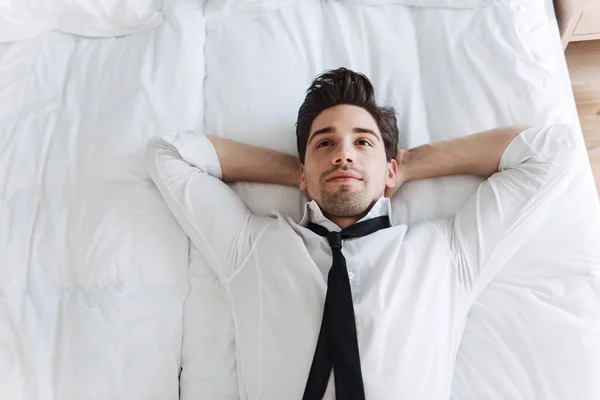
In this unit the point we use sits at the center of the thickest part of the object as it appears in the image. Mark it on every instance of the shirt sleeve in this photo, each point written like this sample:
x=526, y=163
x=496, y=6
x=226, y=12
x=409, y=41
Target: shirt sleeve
x=487, y=230
x=186, y=170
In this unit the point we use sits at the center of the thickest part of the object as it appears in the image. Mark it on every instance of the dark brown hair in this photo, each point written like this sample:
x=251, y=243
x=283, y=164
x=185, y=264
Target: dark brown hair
x=342, y=86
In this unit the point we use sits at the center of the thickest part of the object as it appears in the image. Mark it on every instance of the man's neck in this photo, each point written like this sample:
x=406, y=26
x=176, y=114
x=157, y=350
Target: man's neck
x=344, y=222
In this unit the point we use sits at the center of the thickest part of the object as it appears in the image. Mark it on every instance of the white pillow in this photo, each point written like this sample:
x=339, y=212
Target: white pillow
x=428, y=3
x=24, y=19
x=237, y=7
x=225, y=12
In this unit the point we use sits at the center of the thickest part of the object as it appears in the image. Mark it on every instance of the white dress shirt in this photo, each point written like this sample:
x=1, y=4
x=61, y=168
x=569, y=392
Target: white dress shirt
x=412, y=288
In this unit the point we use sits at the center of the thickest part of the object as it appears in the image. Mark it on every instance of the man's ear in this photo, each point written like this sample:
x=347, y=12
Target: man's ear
x=392, y=171
x=302, y=179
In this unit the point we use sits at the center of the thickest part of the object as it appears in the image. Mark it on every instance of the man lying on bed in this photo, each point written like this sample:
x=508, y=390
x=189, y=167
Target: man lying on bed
x=382, y=307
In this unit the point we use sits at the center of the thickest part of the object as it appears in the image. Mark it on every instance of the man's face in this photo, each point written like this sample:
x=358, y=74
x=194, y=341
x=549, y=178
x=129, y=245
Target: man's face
x=345, y=169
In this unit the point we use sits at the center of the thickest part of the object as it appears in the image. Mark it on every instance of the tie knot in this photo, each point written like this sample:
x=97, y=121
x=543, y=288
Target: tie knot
x=335, y=240
x=353, y=231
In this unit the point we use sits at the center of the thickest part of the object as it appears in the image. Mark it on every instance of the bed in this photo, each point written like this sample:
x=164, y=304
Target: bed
x=101, y=294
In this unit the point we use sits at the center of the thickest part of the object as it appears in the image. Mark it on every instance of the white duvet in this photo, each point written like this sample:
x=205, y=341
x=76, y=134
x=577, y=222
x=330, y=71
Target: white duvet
x=93, y=269
x=25, y=19
x=101, y=296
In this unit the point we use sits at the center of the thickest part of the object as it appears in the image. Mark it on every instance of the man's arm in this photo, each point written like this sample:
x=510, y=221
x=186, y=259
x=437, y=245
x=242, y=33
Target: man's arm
x=243, y=162
x=528, y=172
x=478, y=154
x=185, y=168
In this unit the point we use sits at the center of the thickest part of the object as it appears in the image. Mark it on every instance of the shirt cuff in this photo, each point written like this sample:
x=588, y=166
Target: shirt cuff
x=538, y=143
x=197, y=150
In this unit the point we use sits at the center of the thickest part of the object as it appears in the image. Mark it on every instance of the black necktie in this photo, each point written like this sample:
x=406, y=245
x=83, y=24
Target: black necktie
x=337, y=345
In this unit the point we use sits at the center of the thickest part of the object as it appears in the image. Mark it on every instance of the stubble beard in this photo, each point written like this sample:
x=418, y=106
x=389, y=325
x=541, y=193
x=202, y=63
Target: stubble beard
x=344, y=202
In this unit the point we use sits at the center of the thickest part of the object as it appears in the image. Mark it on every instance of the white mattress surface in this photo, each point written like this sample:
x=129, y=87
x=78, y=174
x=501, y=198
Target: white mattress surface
x=96, y=298
x=534, y=332
x=93, y=268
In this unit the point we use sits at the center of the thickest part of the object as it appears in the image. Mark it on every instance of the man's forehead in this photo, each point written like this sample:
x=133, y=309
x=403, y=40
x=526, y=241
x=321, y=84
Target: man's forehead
x=343, y=115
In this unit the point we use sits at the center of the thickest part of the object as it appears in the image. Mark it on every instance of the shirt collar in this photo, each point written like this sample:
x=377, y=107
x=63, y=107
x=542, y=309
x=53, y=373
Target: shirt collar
x=313, y=213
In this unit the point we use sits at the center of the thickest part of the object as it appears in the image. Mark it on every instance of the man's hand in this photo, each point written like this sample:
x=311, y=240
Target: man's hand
x=402, y=158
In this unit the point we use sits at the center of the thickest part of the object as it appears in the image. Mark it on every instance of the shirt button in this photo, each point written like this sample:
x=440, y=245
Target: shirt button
x=350, y=275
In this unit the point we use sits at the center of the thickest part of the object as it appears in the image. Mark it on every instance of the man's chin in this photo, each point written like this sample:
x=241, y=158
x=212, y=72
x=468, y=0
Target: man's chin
x=345, y=188
x=344, y=193
x=343, y=196
x=343, y=209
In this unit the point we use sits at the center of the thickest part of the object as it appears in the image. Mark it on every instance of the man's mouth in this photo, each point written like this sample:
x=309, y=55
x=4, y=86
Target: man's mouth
x=343, y=179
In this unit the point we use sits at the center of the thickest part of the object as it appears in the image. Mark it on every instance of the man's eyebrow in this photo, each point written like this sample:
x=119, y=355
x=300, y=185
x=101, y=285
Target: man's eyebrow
x=323, y=131
x=331, y=129
x=365, y=130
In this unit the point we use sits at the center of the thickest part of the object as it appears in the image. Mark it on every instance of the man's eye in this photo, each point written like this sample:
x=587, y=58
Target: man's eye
x=324, y=142
x=364, y=142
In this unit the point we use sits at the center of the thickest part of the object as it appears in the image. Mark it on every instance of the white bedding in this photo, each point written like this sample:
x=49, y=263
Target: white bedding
x=94, y=270
x=534, y=333
x=21, y=20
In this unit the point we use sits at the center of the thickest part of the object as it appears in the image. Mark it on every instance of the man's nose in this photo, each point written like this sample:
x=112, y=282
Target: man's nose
x=343, y=155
